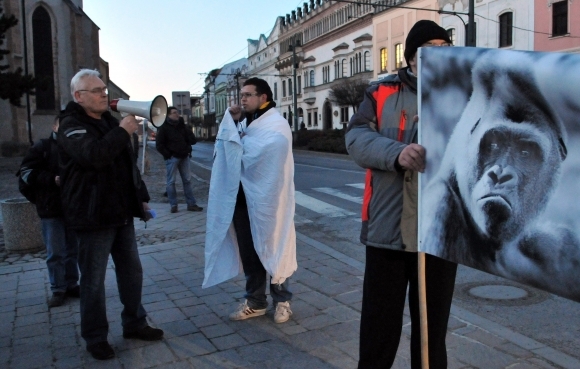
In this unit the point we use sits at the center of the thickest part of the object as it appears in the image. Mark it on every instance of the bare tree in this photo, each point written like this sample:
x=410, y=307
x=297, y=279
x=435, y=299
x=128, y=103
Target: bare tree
x=349, y=91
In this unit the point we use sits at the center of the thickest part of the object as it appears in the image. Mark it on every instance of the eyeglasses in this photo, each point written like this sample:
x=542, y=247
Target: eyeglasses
x=428, y=44
x=248, y=95
x=97, y=91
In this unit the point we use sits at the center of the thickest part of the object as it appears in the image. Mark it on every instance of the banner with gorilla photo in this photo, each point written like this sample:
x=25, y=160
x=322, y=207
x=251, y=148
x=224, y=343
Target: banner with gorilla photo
x=500, y=190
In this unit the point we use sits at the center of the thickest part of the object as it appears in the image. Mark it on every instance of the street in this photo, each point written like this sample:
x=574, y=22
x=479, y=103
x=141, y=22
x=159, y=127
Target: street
x=329, y=191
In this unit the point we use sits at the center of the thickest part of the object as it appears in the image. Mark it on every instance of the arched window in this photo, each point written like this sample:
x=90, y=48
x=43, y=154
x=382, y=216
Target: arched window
x=344, y=65
x=384, y=59
x=506, y=29
x=367, y=56
x=312, y=78
x=451, y=34
x=398, y=56
x=43, y=59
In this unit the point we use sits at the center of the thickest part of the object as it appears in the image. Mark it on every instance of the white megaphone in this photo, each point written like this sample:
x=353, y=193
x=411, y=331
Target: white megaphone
x=154, y=111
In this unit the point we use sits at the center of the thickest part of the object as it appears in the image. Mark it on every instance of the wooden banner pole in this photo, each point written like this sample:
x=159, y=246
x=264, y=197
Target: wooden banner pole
x=423, y=313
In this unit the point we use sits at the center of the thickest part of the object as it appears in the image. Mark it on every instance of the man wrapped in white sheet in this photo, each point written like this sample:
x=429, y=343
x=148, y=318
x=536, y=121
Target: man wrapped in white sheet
x=250, y=219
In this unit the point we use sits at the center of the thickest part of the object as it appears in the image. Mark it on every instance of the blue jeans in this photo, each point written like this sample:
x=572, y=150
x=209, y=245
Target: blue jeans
x=253, y=267
x=61, y=258
x=94, y=250
x=173, y=165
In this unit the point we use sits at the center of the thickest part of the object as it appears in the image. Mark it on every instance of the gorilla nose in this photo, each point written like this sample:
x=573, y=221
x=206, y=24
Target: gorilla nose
x=504, y=176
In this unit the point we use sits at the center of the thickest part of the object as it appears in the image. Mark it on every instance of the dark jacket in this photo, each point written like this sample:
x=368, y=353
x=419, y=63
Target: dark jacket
x=38, y=170
x=377, y=133
x=174, y=139
x=101, y=185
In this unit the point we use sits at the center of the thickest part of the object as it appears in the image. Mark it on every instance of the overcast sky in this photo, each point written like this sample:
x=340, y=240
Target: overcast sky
x=155, y=47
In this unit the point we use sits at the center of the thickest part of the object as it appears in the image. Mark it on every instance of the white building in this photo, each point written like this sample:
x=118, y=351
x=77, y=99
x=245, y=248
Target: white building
x=505, y=24
x=335, y=43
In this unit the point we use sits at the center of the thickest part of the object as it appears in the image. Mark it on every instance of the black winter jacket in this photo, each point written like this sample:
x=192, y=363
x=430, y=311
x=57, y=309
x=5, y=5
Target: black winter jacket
x=39, y=169
x=101, y=185
x=174, y=140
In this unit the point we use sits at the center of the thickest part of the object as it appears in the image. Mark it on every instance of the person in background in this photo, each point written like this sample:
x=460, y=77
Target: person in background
x=174, y=141
x=39, y=171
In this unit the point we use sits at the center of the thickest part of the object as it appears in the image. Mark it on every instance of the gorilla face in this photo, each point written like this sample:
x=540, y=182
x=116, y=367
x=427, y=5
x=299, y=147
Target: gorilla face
x=510, y=179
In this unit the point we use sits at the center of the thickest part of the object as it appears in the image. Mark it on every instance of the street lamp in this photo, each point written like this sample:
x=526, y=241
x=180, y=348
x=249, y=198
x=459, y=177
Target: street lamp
x=293, y=46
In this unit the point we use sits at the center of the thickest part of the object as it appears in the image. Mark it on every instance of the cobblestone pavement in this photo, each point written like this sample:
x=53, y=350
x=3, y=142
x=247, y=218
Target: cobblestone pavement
x=321, y=333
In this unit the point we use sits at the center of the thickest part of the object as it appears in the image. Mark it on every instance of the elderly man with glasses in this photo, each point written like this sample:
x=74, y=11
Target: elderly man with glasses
x=102, y=191
x=174, y=141
x=382, y=137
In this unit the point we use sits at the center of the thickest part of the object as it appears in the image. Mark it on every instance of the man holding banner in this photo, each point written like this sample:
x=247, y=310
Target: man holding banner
x=382, y=137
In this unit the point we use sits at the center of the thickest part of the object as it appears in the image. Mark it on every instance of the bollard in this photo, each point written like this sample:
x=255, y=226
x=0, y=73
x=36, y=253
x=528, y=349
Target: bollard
x=22, y=227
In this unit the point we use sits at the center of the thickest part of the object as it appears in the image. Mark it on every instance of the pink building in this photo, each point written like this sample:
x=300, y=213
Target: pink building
x=557, y=23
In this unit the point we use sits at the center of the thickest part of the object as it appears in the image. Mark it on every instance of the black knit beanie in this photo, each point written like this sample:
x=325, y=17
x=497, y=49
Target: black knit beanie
x=423, y=31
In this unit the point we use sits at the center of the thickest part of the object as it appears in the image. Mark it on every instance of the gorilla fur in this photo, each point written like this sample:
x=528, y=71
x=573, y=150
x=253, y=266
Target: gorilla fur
x=501, y=165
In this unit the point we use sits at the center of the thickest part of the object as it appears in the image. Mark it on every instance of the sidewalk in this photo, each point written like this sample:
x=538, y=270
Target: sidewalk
x=322, y=332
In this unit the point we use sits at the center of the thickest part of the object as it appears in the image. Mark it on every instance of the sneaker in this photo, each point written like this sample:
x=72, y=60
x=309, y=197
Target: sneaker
x=101, y=350
x=194, y=208
x=57, y=299
x=283, y=312
x=174, y=209
x=146, y=333
x=245, y=312
x=74, y=291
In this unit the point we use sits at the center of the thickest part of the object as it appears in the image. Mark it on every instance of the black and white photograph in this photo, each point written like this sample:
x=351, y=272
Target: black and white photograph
x=501, y=129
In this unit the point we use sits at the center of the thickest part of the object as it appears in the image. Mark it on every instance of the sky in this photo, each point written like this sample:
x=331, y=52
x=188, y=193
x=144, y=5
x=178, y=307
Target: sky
x=156, y=47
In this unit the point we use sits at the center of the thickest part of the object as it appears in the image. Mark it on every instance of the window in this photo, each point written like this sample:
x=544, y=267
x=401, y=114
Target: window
x=343, y=72
x=344, y=115
x=505, y=29
x=474, y=34
x=398, y=56
x=290, y=91
x=311, y=78
x=309, y=119
x=298, y=85
x=315, y=117
x=275, y=91
x=283, y=88
x=367, y=60
x=560, y=18
x=451, y=34
x=43, y=61
x=384, y=59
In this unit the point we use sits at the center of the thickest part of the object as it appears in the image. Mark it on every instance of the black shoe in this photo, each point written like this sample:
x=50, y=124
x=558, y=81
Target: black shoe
x=101, y=350
x=194, y=208
x=174, y=209
x=57, y=299
x=146, y=333
x=74, y=291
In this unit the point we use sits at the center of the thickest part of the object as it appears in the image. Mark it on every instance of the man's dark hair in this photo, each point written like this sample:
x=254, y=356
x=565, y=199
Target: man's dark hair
x=170, y=108
x=262, y=87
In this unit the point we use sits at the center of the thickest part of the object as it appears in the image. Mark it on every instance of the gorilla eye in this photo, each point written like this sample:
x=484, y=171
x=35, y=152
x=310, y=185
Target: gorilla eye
x=524, y=153
x=494, y=146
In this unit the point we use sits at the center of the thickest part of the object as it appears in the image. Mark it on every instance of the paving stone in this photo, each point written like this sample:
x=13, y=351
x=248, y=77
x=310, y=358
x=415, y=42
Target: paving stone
x=318, y=300
x=318, y=321
x=217, y=330
x=153, y=297
x=228, y=342
x=342, y=313
x=271, y=351
x=190, y=345
x=31, y=319
x=478, y=353
x=206, y=320
x=144, y=357
x=178, y=328
x=196, y=310
x=167, y=315
x=343, y=331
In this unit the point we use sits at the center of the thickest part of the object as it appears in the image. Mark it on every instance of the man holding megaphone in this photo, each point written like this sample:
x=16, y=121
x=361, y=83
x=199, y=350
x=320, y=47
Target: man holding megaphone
x=102, y=191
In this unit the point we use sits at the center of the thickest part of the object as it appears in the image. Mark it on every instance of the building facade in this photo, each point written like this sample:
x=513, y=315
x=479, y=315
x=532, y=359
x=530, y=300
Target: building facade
x=557, y=25
x=507, y=24
x=60, y=40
